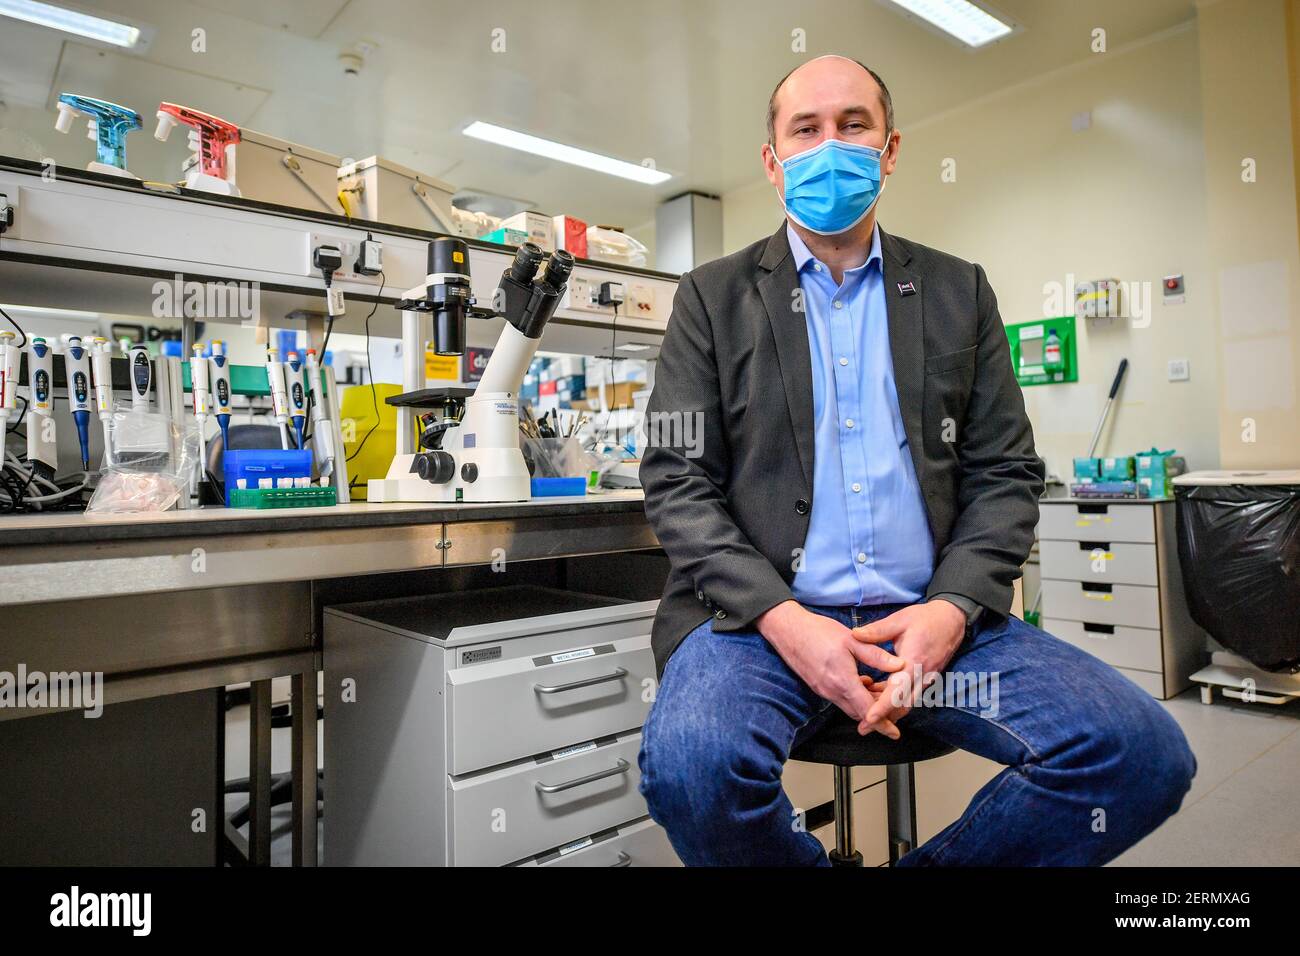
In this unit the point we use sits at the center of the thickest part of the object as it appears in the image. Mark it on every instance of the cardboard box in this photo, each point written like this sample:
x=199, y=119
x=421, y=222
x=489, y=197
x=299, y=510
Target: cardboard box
x=571, y=387
x=602, y=371
x=1117, y=469
x=571, y=235
x=567, y=365
x=506, y=237
x=536, y=227
x=1087, y=469
x=616, y=395
x=1159, y=464
x=1155, y=487
x=383, y=191
x=269, y=169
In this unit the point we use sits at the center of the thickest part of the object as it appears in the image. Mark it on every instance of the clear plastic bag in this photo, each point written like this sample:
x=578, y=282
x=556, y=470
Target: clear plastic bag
x=610, y=245
x=149, y=462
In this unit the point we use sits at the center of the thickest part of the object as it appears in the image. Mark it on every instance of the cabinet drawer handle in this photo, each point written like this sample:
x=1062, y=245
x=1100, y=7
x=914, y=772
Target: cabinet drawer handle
x=618, y=674
x=624, y=859
x=621, y=767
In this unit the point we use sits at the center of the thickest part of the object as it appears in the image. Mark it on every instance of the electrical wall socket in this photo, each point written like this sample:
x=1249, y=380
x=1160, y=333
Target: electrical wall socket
x=9, y=198
x=349, y=248
x=1180, y=370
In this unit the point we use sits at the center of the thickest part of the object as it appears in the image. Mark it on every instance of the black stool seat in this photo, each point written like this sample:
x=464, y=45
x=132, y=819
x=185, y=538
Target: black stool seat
x=840, y=744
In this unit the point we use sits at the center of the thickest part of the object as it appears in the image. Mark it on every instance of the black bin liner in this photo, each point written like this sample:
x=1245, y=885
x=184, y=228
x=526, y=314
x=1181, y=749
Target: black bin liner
x=1239, y=546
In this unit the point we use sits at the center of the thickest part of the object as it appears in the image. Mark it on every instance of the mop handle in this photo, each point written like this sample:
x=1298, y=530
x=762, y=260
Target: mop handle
x=1105, y=412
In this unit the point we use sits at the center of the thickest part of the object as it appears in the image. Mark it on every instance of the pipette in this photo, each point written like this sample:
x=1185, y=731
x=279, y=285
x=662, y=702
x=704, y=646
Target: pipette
x=220, y=382
x=297, y=399
x=76, y=365
x=322, y=430
x=42, y=446
x=212, y=141
x=108, y=125
x=199, y=393
x=141, y=377
x=10, y=355
x=101, y=365
x=279, y=401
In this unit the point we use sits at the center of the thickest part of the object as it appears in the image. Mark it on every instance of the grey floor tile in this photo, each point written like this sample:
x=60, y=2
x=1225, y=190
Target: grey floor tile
x=1244, y=807
x=1226, y=737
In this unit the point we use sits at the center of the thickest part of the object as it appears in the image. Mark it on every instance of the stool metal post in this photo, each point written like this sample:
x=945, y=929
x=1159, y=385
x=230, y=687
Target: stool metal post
x=844, y=854
x=900, y=797
x=839, y=745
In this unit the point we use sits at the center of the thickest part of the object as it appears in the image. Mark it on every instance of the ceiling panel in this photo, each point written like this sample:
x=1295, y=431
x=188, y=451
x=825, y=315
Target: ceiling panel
x=29, y=56
x=305, y=18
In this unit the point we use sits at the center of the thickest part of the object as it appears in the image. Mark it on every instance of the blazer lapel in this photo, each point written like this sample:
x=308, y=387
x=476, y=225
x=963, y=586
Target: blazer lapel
x=906, y=339
x=790, y=331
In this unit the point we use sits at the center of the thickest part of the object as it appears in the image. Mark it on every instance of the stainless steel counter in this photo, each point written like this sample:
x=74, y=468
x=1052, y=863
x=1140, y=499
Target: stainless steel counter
x=202, y=599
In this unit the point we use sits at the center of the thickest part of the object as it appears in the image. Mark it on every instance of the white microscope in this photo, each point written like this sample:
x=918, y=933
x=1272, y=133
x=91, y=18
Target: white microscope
x=468, y=447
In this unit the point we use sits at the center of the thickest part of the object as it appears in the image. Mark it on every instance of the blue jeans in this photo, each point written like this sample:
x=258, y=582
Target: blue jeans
x=1093, y=763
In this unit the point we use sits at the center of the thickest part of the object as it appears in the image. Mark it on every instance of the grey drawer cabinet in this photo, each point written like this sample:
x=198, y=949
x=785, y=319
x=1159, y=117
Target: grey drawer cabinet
x=488, y=728
x=1111, y=585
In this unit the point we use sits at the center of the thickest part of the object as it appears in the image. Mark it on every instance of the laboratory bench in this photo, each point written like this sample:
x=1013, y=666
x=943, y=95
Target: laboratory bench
x=178, y=606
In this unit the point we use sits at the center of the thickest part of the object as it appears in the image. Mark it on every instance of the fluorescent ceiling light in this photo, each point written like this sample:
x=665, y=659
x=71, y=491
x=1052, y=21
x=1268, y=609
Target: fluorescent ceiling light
x=971, y=24
x=565, y=154
x=71, y=21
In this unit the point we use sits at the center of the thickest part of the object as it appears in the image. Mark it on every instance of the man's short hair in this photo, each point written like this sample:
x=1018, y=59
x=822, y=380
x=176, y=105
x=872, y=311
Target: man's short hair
x=885, y=99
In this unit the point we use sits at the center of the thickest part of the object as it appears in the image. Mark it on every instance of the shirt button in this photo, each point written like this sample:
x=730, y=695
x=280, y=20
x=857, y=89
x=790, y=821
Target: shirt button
x=844, y=361
x=856, y=487
x=817, y=267
x=839, y=304
x=848, y=423
x=862, y=557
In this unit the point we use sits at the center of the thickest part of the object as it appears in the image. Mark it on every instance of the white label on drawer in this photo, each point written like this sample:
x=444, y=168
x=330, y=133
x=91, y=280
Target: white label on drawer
x=572, y=655
x=1098, y=596
x=575, y=845
x=575, y=749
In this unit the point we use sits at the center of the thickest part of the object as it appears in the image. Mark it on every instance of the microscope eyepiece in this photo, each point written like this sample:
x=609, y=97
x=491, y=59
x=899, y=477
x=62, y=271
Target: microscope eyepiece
x=558, y=269
x=527, y=261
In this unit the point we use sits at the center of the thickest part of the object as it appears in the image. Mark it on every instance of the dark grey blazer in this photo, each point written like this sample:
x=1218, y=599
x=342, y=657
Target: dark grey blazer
x=730, y=503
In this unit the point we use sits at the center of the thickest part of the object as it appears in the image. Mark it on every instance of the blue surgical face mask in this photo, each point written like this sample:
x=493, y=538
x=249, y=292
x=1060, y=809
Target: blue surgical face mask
x=830, y=188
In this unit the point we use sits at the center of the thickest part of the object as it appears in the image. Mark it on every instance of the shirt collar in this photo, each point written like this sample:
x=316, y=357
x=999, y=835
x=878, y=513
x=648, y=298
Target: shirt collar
x=803, y=255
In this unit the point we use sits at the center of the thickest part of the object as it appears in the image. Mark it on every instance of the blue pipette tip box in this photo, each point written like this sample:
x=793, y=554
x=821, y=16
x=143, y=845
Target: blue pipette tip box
x=252, y=464
x=558, y=487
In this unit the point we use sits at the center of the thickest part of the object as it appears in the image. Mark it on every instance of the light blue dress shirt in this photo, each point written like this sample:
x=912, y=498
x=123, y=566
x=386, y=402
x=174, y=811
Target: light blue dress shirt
x=868, y=539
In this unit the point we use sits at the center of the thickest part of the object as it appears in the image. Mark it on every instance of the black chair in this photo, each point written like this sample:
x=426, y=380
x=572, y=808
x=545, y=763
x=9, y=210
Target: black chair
x=839, y=744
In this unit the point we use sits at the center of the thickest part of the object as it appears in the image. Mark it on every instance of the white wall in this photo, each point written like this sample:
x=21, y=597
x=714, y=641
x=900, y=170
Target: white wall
x=1033, y=201
x=1252, y=230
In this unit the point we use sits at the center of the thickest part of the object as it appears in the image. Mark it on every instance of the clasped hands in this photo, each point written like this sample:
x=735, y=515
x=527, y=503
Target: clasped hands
x=826, y=654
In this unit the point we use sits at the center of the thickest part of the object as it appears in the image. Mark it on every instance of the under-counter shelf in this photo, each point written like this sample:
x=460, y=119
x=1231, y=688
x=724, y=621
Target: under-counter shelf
x=482, y=727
